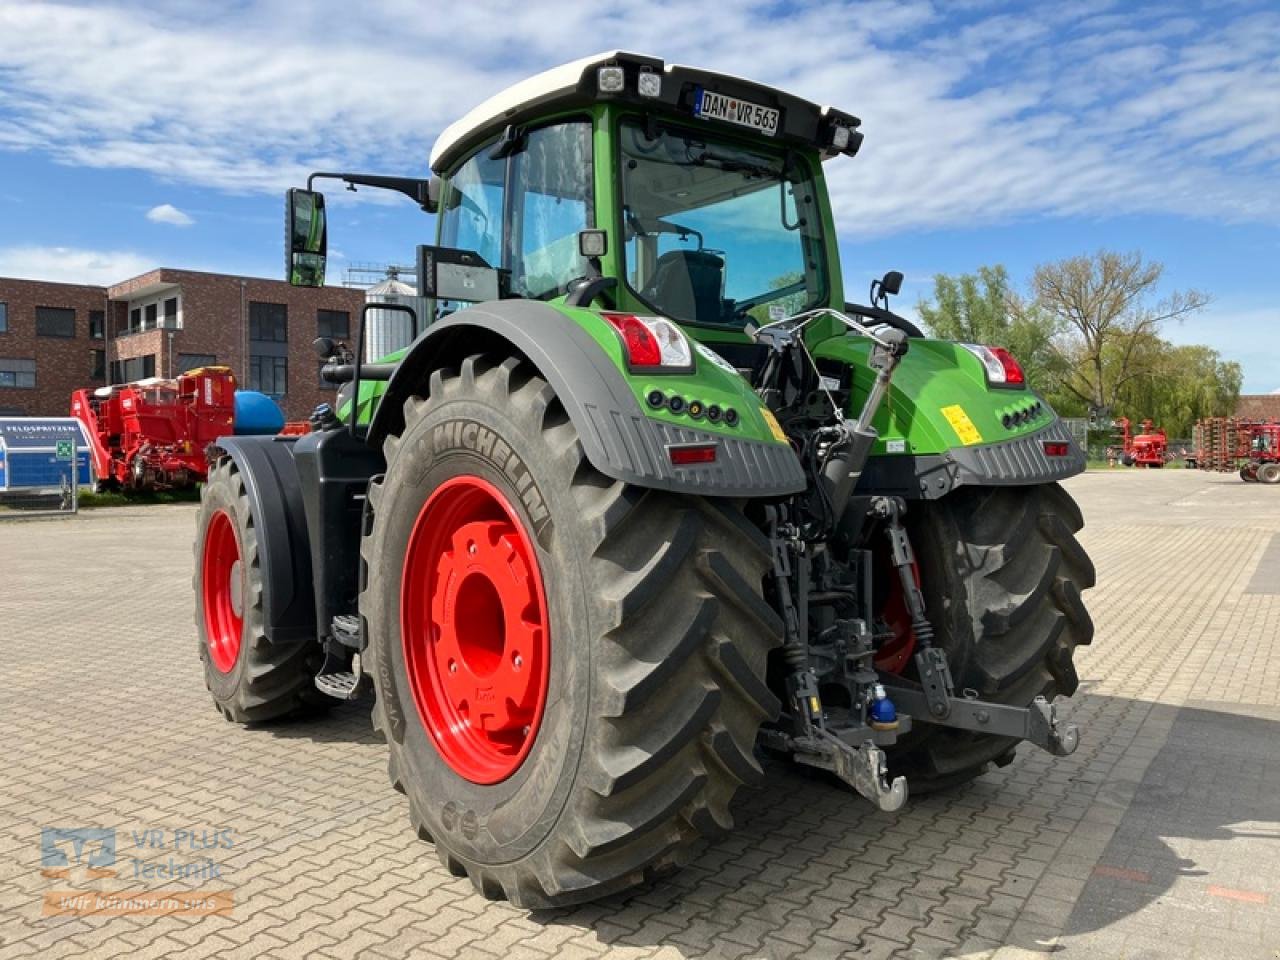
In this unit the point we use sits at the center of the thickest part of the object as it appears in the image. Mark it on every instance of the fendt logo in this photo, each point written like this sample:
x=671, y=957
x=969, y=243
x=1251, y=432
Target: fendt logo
x=64, y=848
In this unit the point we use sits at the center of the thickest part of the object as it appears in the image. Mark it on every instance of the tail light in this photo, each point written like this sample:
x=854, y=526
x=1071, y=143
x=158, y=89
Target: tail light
x=1056, y=448
x=691, y=453
x=1003, y=369
x=652, y=343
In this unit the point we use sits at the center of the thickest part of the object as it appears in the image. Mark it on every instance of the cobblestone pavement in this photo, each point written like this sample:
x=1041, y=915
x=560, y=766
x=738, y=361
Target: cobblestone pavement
x=1158, y=838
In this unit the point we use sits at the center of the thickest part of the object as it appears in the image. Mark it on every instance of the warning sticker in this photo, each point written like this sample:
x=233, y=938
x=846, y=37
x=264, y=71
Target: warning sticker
x=961, y=424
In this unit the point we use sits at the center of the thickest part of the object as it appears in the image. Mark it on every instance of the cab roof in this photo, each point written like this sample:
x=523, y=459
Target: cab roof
x=576, y=84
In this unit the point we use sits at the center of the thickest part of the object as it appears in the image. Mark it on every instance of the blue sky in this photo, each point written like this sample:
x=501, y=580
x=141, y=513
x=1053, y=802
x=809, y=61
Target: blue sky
x=134, y=135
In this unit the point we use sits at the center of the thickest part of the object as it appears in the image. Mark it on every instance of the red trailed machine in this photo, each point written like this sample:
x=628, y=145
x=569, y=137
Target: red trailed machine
x=1150, y=448
x=151, y=434
x=1231, y=444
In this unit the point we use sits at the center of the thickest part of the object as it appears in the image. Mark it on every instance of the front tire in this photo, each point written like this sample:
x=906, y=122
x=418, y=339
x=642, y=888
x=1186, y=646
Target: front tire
x=251, y=678
x=1002, y=575
x=655, y=637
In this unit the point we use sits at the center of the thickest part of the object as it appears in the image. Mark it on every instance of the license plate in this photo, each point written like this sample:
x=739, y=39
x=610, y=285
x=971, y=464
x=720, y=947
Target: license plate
x=716, y=106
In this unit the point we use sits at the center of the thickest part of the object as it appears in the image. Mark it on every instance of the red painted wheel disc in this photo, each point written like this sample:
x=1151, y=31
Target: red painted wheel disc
x=474, y=625
x=222, y=586
x=894, y=655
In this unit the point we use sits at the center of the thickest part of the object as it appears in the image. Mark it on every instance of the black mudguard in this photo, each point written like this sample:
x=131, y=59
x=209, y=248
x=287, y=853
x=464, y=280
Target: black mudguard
x=617, y=437
x=272, y=484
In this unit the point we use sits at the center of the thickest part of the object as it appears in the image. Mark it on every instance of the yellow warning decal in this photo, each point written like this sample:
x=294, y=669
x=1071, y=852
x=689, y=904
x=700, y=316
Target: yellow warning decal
x=961, y=424
x=774, y=425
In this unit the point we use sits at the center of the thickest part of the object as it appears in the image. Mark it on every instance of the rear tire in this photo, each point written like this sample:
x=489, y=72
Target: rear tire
x=251, y=678
x=1002, y=575
x=658, y=640
x=1268, y=473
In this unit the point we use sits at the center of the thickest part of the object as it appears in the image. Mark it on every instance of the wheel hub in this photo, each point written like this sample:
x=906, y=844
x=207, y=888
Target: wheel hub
x=222, y=591
x=474, y=628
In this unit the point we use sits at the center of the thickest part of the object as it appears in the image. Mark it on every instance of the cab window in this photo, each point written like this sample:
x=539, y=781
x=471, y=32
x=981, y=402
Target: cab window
x=471, y=215
x=551, y=203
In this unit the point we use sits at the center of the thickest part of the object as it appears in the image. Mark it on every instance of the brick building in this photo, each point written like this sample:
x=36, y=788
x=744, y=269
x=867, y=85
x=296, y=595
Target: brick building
x=58, y=337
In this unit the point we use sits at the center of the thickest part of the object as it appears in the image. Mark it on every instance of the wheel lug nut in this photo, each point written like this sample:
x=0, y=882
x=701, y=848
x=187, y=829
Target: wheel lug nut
x=471, y=548
x=453, y=667
x=525, y=731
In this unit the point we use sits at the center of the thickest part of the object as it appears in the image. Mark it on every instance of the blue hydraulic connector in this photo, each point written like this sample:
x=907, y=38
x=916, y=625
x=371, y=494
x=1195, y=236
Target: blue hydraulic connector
x=883, y=715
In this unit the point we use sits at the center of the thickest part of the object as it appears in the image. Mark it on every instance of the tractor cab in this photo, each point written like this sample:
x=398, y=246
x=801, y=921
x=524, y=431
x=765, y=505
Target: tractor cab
x=627, y=182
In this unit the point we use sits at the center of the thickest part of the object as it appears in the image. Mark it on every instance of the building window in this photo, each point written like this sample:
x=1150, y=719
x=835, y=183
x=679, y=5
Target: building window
x=55, y=322
x=135, y=368
x=333, y=323
x=135, y=319
x=4, y=317
x=17, y=373
x=149, y=322
x=194, y=361
x=97, y=324
x=268, y=322
x=171, y=313
x=270, y=375
x=99, y=365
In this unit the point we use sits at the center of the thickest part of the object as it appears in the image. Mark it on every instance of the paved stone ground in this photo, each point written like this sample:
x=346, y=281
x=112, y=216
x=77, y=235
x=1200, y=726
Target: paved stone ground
x=1158, y=838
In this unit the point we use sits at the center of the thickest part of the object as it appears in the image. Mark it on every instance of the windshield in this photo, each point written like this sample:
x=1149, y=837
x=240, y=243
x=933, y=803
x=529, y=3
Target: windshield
x=717, y=234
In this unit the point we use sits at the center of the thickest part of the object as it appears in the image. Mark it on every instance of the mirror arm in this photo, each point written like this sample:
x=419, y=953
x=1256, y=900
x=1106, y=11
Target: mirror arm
x=419, y=191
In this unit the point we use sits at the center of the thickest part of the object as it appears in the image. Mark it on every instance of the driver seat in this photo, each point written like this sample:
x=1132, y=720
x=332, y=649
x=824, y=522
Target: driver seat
x=688, y=284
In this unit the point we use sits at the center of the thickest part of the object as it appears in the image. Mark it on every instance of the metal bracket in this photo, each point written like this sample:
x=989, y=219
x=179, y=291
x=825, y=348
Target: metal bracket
x=1038, y=723
x=935, y=677
x=864, y=768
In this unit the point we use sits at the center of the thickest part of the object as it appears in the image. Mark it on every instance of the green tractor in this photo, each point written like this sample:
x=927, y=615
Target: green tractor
x=644, y=497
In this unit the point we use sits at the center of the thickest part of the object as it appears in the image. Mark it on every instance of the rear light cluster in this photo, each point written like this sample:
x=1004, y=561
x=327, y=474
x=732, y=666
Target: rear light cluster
x=652, y=343
x=694, y=408
x=1057, y=448
x=689, y=454
x=1002, y=369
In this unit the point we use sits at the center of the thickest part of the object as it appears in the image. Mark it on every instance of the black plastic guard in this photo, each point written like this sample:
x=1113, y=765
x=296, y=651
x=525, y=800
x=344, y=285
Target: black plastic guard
x=1011, y=463
x=272, y=485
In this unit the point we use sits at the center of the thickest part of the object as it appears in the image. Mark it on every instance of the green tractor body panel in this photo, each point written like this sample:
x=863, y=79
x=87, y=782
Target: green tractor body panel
x=939, y=399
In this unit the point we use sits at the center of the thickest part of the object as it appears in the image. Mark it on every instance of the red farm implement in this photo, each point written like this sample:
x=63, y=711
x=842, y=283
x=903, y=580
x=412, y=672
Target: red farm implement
x=1232, y=444
x=1150, y=448
x=151, y=434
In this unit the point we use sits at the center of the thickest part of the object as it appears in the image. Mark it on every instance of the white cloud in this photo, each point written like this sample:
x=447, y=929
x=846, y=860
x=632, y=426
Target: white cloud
x=70, y=265
x=1071, y=109
x=168, y=213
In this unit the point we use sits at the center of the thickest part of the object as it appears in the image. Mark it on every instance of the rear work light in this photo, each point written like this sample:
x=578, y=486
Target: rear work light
x=652, y=343
x=1003, y=370
x=683, y=456
x=1056, y=448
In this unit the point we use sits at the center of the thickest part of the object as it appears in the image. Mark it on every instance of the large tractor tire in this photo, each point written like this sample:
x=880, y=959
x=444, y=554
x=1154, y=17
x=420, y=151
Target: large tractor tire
x=251, y=678
x=1002, y=575
x=569, y=670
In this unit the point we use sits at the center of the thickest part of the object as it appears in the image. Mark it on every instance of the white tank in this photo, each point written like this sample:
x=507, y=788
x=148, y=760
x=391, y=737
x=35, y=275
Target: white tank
x=386, y=331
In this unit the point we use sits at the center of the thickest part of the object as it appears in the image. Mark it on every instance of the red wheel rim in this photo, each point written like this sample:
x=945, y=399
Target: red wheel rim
x=222, y=584
x=894, y=655
x=473, y=621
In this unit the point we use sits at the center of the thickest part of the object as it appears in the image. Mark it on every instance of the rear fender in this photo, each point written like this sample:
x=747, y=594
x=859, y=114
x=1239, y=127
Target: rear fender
x=618, y=437
x=272, y=485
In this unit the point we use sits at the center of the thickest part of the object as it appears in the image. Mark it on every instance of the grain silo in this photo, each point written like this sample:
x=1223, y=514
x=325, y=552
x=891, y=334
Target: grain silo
x=389, y=330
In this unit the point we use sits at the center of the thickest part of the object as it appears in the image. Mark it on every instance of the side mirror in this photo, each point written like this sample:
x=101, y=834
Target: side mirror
x=891, y=283
x=306, y=239
x=325, y=347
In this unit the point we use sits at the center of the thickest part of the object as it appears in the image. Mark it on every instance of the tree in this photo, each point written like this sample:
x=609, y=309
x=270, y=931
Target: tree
x=1107, y=320
x=984, y=308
